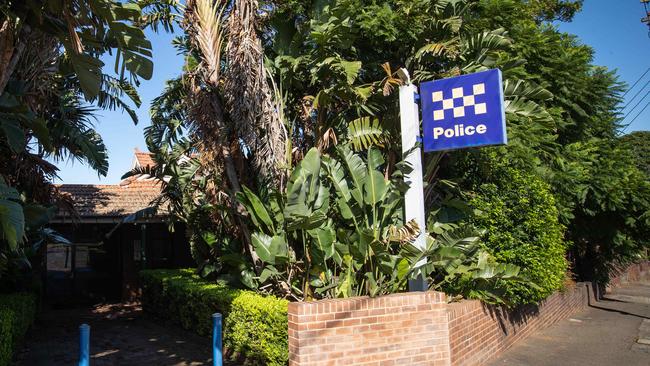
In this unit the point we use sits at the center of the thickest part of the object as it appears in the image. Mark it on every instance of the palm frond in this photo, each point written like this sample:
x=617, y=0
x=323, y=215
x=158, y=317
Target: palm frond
x=111, y=93
x=525, y=89
x=72, y=135
x=528, y=109
x=210, y=35
x=480, y=48
x=158, y=13
x=438, y=49
x=365, y=132
x=406, y=233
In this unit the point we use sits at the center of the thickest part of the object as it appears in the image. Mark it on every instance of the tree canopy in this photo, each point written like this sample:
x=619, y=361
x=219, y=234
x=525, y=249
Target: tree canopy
x=52, y=82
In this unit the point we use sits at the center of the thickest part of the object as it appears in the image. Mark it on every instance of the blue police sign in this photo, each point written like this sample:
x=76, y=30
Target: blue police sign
x=463, y=111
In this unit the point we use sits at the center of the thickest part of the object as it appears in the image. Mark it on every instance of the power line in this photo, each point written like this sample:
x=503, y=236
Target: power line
x=637, y=116
x=636, y=82
x=637, y=94
x=636, y=105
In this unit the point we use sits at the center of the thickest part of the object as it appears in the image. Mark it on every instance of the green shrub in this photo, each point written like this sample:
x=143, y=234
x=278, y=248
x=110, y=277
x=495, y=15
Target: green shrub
x=6, y=336
x=255, y=326
x=518, y=212
x=17, y=313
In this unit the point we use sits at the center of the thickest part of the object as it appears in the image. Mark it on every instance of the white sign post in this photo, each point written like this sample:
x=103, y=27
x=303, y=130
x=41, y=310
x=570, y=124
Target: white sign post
x=414, y=199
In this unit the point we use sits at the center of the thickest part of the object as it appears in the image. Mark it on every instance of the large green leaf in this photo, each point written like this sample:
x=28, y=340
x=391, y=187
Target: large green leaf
x=262, y=244
x=345, y=287
x=89, y=72
x=279, y=249
x=344, y=209
x=375, y=188
x=12, y=222
x=39, y=127
x=336, y=175
x=324, y=239
x=256, y=209
x=525, y=89
x=14, y=134
x=302, y=188
x=309, y=167
x=356, y=170
x=268, y=272
x=375, y=159
x=528, y=109
x=351, y=69
x=38, y=215
x=403, y=269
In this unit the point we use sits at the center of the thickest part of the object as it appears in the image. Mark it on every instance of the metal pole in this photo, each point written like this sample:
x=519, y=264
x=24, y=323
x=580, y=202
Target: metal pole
x=414, y=198
x=217, y=355
x=84, y=345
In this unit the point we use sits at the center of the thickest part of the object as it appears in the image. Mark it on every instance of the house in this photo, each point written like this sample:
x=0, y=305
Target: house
x=109, y=245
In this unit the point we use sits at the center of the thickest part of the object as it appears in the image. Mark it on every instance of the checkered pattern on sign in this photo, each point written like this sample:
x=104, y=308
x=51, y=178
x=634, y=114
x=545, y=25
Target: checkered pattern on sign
x=459, y=103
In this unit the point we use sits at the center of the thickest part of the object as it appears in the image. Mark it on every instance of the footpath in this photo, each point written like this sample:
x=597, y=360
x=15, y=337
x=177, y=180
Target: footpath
x=120, y=335
x=612, y=331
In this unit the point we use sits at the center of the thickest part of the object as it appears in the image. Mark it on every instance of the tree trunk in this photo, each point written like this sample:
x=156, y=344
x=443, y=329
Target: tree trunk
x=11, y=49
x=249, y=97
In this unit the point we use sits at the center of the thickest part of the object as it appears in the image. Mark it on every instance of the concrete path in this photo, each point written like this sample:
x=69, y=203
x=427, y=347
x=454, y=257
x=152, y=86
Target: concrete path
x=612, y=332
x=120, y=335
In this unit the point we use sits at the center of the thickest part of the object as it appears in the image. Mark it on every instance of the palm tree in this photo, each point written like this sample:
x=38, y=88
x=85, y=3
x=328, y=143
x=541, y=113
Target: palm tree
x=231, y=102
x=50, y=78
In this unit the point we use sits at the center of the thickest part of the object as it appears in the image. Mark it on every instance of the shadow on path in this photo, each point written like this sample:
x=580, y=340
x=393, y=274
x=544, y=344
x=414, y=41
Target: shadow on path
x=604, y=334
x=120, y=334
x=608, y=306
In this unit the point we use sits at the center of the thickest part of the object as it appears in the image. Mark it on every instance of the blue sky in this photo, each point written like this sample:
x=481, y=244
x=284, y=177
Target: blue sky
x=612, y=28
x=120, y=135
x=621, y=42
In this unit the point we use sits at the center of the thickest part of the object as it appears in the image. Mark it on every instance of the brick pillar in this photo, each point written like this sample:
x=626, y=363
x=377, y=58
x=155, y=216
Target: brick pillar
x=400, y=329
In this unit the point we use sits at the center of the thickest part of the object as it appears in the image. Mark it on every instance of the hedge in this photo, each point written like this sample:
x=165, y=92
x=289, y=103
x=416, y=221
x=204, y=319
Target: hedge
x=520, y=217
x=17, y=313
x=255, y=326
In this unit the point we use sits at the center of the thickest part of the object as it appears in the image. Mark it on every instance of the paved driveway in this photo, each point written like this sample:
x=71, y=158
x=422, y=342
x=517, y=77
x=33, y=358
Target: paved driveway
x=120, y=334
x=610, y=332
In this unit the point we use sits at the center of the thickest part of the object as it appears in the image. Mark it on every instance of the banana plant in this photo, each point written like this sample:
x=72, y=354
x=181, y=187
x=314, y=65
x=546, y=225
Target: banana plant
x=336, y=230
x=371, y=232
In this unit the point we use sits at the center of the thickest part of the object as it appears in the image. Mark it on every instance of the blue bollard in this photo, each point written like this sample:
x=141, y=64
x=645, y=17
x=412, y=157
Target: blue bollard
x=84, y=345
x=217, y=355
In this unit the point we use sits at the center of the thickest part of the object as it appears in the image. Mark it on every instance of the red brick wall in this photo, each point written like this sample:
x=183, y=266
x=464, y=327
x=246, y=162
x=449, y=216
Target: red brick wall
x=479, y=332
x=400, y=329
x=631, y=273
x=417, y=328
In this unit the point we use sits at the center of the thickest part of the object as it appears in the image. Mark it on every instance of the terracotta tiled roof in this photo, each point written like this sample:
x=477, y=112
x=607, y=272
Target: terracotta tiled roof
x=143, y=159
x=111, y=200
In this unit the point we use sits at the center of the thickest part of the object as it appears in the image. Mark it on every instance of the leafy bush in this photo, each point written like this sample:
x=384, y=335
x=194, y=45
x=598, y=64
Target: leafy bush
x=518, y=212
x=255, y=326
x=17, y=313
x=460, y=266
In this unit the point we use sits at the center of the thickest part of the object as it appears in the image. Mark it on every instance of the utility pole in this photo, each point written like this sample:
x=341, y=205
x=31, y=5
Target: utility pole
x=646, y=19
